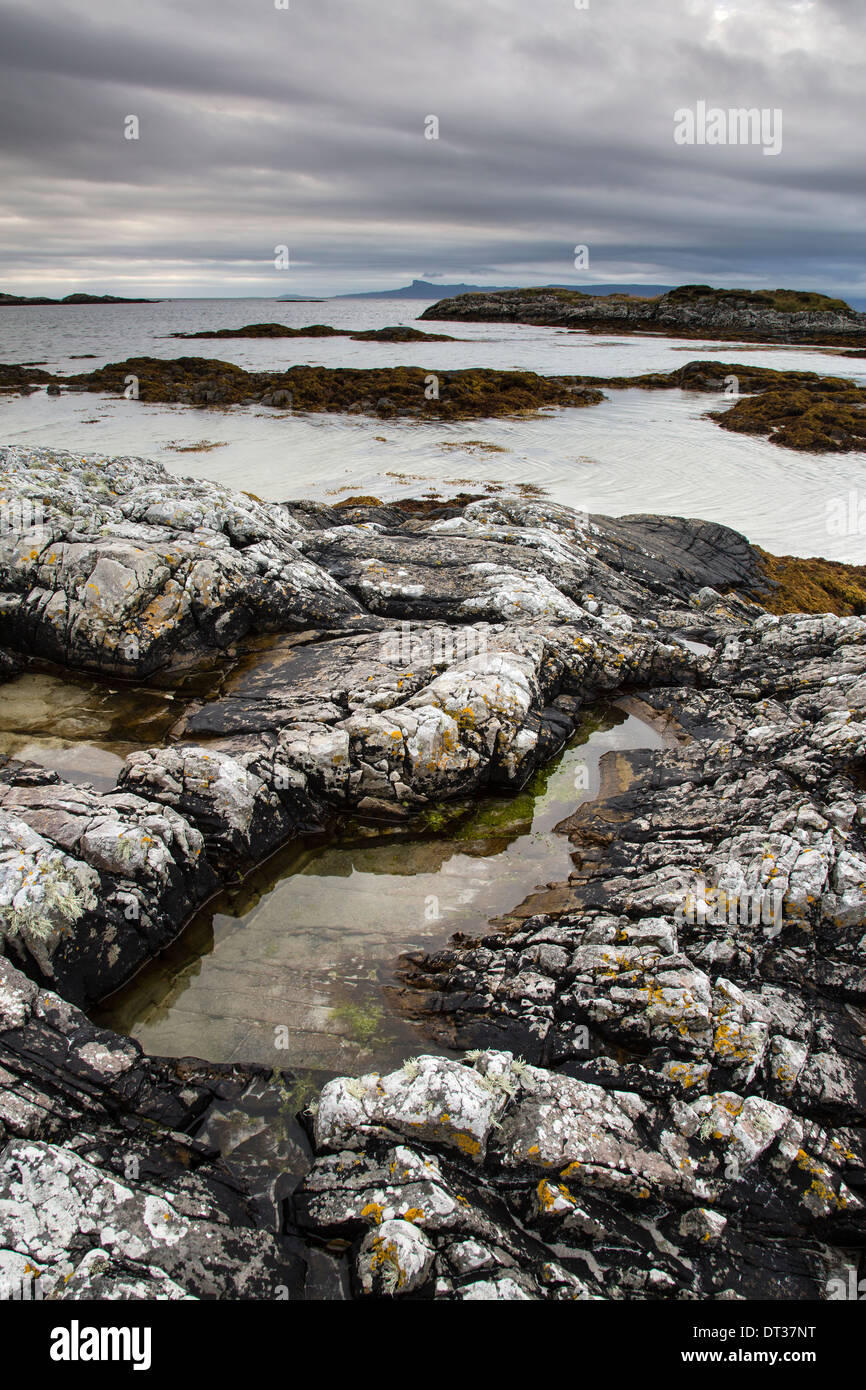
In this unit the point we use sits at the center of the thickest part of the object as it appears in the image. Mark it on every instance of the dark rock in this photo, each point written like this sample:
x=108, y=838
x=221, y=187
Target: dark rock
x=105, y=1190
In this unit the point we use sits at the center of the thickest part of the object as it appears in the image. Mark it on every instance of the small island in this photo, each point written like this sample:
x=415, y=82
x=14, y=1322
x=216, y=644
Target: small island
x=690, y=311
x=15, y=301
x=394, y=334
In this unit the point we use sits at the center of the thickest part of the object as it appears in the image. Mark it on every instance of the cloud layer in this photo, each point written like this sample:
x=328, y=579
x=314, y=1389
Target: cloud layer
x=305, y=127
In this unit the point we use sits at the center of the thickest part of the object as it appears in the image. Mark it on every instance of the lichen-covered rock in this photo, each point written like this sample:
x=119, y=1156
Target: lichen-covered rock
x=91, y=885
x=115, y=565
x=683, y=1185
x=689, y=1121
x=394, y=1258
x=104, y=1191
x=238, y=814
x=429, y=1099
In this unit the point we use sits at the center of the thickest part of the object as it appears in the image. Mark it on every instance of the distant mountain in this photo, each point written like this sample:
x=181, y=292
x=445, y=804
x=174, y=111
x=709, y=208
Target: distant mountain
x=297, y=299
x=426, y=289
x=419, y=289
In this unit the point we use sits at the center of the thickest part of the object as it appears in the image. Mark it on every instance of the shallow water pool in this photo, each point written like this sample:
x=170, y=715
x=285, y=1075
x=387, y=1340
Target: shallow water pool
x=290, y=968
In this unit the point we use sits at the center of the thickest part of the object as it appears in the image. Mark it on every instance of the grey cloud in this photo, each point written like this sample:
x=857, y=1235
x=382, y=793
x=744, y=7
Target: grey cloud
x=261, y=126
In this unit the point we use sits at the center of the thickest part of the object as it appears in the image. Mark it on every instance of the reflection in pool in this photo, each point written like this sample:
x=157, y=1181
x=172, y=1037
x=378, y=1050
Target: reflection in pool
x=287, y=969
x=84, y=726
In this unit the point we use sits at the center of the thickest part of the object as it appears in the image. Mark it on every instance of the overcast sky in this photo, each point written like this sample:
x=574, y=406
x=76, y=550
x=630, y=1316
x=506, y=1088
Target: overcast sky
x=305, y=127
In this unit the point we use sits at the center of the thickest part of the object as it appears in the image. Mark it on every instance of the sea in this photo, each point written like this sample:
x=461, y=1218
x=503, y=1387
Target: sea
x=638, y=451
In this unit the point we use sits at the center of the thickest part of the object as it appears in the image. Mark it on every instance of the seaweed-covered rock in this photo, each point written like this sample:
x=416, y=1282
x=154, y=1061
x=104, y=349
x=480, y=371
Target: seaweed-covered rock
x=789, y=316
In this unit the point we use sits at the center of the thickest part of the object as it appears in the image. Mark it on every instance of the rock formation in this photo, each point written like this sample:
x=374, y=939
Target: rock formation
x=690, y=311
x=663, y=1087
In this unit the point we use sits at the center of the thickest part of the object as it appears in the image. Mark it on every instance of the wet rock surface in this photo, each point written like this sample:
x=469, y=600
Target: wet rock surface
x=552, y=1186
x=115, y=566
x=664, y=1089
x=91, y=884
x=708, y=975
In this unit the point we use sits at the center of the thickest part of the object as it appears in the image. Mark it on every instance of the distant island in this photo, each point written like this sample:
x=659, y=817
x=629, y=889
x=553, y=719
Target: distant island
x=16, y=300
x=397, y=334
x=690, y=311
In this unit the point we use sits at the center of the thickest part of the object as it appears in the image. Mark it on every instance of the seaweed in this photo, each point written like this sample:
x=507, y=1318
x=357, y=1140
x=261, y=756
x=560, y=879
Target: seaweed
x=383, y=391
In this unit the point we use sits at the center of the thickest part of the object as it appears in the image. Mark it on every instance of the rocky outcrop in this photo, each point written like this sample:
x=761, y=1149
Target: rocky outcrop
x=396, y=334
x=691, y=311
x=776, y=731
x=113, y=565
x=483, y=631
x=693, y=1015
x=91, y=884
x=129, y=1177
x=494, y=1179
x=665, y=1084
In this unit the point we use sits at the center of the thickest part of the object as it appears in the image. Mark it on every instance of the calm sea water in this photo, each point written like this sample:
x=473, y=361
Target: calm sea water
x=638, y=451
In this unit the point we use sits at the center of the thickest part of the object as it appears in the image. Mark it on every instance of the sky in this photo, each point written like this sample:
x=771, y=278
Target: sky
x=307, y=127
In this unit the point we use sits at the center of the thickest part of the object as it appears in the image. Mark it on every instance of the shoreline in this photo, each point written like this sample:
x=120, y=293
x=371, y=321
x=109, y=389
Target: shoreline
x=796, y=410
